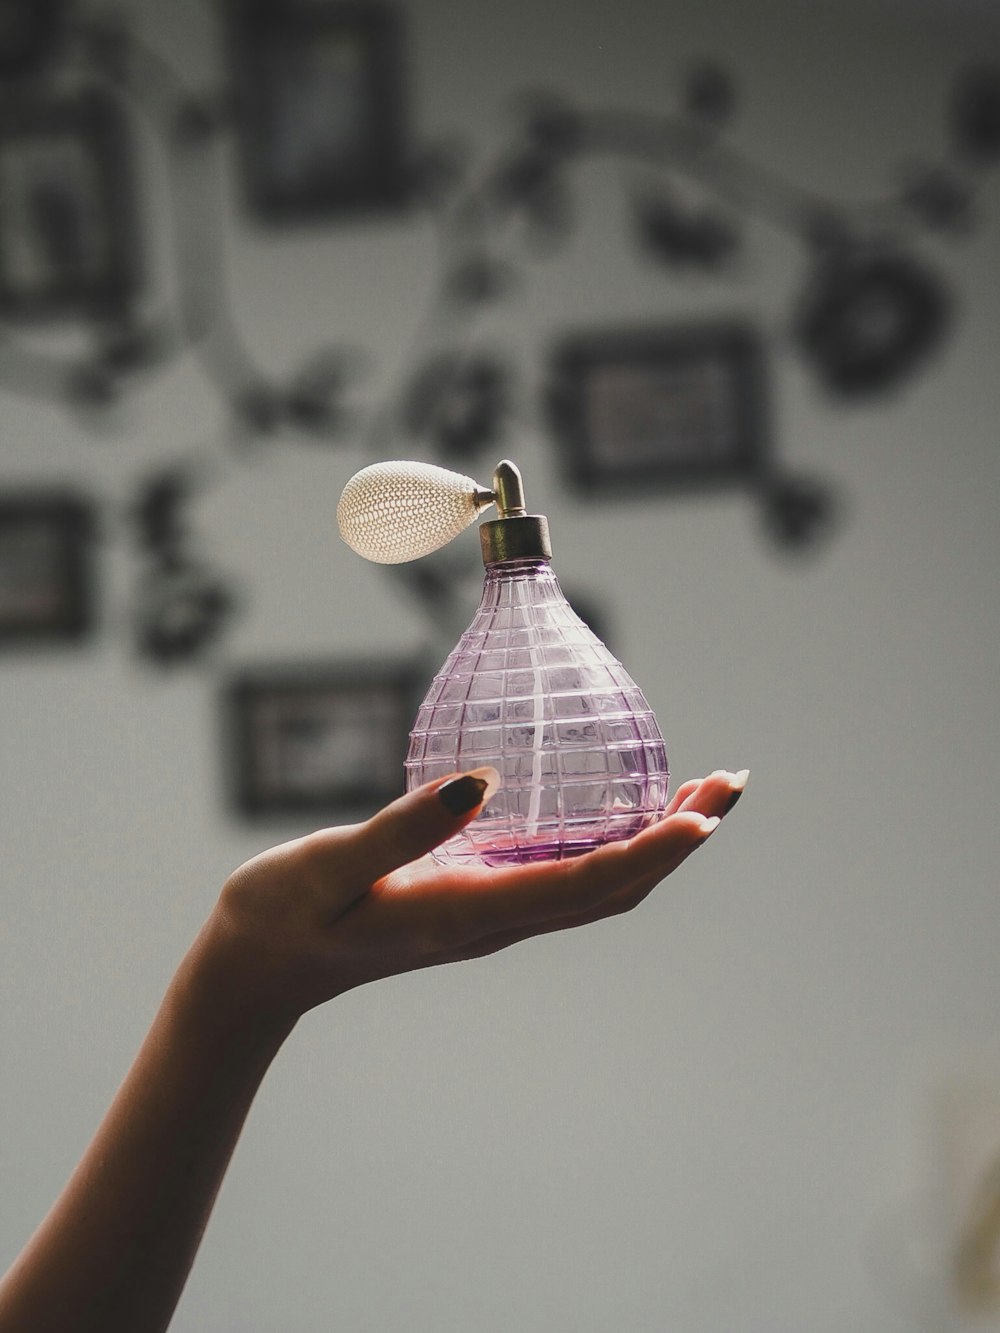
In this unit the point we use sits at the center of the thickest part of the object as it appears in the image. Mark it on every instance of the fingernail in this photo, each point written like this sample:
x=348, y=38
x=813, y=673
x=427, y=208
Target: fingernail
x=460, y=795
x=709, y=825
x=737, y=783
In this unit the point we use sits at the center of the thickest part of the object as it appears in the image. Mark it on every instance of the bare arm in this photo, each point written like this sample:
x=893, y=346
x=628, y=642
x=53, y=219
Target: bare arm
x=115, y=1250
x=294, y=927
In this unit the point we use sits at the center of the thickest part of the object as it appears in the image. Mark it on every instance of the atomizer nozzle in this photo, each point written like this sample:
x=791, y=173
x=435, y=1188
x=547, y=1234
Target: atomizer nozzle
x=516, y=534
x=398, y=511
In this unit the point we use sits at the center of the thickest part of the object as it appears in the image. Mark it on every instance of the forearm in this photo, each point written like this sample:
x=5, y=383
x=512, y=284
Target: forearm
x=115, y=1250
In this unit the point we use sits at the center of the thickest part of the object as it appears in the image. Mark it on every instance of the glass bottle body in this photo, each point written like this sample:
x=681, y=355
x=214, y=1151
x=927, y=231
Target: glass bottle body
x=532, y=691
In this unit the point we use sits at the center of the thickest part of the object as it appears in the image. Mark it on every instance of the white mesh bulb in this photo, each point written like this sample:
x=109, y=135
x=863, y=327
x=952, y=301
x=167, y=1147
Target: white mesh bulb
x=391, y=512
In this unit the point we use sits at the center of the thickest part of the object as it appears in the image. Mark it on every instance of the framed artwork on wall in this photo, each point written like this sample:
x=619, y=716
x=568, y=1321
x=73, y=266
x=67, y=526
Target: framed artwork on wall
x=319, y=97
x=46, y=569
x=68, y=225
x=30, y=32
x=659, y=408
x=317, y=739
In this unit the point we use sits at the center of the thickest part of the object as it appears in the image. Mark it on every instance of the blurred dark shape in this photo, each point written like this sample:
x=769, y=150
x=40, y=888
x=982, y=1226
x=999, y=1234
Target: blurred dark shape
x=91, y=386
x=799, y=512
x=459, y=403
x=31, y=32
x=552, y=125
x=974, y=114
x=158, y=514
x=704, y=239
x=869, y=318
x=197, y=120
x=57, y=218
x=70, y=237
x=182, y=611
x=182, y=606
x=827, y=234
x=259, y=408
x=107, y=44
x=129, y=346
x=710, y=95
x=93, y=389
x=314, y=401
x=480, y=279
x=47, y=575
x=941, y=201
x=433, y=581
x=320, y=108
x=437, y=171
x=531, y=184
x=445, y=588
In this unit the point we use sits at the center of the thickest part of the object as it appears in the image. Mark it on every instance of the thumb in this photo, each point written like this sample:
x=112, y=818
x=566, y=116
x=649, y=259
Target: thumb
x=420, y=821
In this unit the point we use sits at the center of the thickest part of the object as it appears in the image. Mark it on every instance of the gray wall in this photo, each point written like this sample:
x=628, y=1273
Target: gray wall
x=719, y=1112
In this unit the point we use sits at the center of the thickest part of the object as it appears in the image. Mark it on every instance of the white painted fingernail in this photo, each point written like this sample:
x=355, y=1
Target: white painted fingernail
x=488, y=775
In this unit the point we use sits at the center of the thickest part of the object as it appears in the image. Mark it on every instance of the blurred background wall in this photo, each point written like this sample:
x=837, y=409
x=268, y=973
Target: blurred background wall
x=748, y=1105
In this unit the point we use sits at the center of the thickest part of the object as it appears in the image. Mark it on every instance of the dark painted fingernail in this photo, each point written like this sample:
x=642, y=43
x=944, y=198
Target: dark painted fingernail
x=463, y=794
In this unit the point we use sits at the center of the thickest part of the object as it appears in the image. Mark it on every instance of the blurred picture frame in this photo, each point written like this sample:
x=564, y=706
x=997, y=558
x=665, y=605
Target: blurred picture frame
x=30, y=33
x=320, y=108
x=68, y=222
x=660, y=407
x=313, y=740
x=47, y=577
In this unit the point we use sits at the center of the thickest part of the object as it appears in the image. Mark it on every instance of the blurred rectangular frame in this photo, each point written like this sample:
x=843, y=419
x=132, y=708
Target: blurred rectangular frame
x=69, y=231
x=32, y=32
x=660, y=408
x=319, y=739
x=47, y=583
x=320, y=108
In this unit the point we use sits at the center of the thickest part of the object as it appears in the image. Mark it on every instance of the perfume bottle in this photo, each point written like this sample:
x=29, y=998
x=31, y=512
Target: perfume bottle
x=528, y=688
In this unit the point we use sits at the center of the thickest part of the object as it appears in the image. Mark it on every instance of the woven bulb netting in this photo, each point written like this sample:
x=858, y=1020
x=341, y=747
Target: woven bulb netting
x=392, y=512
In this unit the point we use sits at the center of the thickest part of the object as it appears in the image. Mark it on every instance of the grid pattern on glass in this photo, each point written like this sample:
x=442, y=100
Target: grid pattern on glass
x=532, y=691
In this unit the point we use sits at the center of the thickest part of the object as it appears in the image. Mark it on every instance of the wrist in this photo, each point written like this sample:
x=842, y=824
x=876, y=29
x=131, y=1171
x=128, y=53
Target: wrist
x=217, y=991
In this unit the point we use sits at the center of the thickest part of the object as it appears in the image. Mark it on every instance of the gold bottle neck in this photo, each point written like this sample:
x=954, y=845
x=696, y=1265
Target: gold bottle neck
x=524, y=538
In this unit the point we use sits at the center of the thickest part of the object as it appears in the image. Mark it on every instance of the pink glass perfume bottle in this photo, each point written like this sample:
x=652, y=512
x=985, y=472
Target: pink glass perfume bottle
x=532, y=691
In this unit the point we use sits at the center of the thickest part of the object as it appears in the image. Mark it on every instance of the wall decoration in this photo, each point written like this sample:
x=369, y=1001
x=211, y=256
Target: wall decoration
x=320, y=108
x=47, y=577
x=458, y=403
x=799, y=511
x=68, y=233
x=313, y=100
x=683, y=238
x=30, y=34
x=869, y=318
x=181, y=603
x=974, y=115
x=320, y=738
x=644, y=409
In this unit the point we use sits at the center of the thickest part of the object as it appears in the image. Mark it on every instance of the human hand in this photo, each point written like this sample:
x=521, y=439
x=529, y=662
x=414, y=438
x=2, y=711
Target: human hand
x=312, y=918
x=293, y=927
